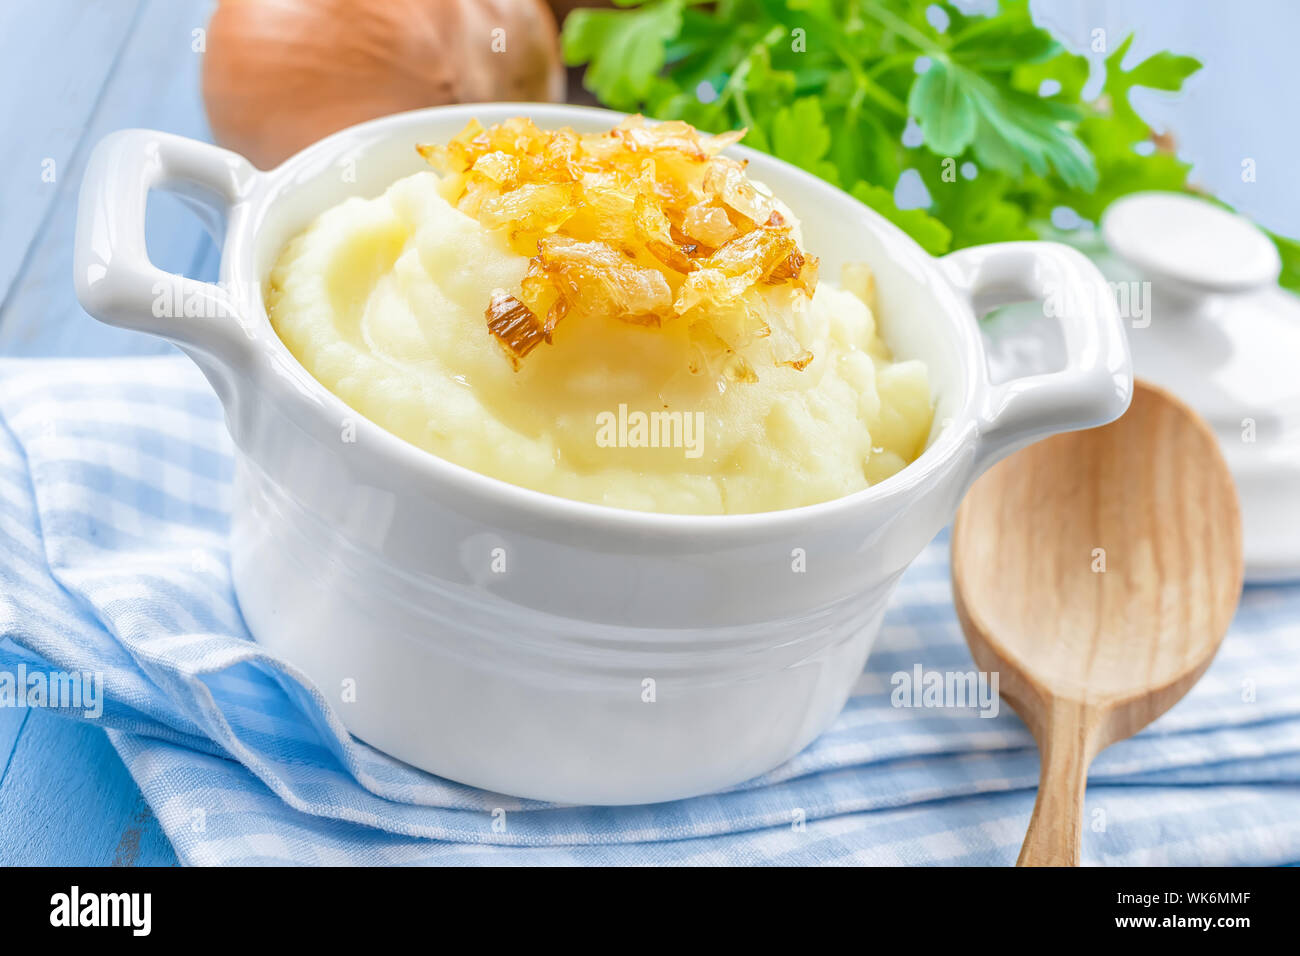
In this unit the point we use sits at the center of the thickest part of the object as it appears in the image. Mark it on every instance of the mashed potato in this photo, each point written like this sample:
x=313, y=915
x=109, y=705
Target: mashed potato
x=383, y=302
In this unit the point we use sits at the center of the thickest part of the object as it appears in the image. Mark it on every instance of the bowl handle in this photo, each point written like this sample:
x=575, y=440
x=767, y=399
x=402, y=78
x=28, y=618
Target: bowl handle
x=1097, y=382
x=116, y=282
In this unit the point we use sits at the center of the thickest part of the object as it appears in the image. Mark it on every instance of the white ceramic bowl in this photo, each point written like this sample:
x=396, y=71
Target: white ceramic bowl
x=621, y=657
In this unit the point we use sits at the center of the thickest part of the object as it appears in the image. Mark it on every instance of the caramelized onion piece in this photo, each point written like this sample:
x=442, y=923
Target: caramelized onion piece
x=514, y=325
x=674, y=135
x=532, y=209
x=709, y=224
x=593, y=277
x=645, y=224
x=656, y=232
x=726, y=179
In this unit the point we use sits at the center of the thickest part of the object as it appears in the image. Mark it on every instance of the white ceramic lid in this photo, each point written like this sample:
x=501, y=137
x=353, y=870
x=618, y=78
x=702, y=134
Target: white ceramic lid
x=1179, y=240
x=1207, y=321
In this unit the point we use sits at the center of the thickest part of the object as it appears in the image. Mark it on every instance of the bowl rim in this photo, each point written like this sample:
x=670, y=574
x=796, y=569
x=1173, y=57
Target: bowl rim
x=389, y=450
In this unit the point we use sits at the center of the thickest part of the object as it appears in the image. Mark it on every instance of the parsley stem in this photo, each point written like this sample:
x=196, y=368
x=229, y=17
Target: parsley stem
x=734, y=89
x=891, y=62
x=742, y=110
x=864, y=83
x=904, y=29
x=882, y=96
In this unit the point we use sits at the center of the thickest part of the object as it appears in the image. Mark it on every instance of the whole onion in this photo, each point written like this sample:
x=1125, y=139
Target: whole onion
x=280, y=74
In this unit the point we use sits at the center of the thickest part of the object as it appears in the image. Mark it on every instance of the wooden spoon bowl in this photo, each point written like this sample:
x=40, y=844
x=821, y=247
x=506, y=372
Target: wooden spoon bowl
x=1097, y=573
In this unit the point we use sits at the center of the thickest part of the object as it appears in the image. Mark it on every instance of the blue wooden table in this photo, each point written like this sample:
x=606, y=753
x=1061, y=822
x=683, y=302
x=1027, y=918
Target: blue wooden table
x=72, y=71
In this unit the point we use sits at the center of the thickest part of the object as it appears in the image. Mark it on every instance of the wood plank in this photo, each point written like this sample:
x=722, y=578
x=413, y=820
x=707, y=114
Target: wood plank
x=67, y=799
x=59, y=52
x=84, y=70
x=11, y=726
x=154, y=82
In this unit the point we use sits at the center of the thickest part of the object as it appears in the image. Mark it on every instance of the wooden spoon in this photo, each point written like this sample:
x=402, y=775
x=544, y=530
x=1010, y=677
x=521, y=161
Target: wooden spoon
x=1097, y=572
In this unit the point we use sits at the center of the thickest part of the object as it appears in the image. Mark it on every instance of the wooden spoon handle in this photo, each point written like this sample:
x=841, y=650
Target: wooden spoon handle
x=1055, y=829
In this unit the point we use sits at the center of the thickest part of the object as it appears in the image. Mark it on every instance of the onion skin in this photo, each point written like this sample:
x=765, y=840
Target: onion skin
x=280, y=74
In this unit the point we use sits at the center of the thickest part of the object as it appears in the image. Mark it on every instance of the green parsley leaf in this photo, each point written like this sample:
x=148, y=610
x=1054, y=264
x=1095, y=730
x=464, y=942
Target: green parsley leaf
x=624, y=50
x=944, y=109
x=800, y=136
x=1005, y=41
x=1164, y=71
x=932, y=235
x=830, y=85
x=1019, y=130
x=1289, y=250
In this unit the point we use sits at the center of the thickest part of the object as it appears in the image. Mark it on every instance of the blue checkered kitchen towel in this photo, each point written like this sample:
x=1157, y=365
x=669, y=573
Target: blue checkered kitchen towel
x=115, y=505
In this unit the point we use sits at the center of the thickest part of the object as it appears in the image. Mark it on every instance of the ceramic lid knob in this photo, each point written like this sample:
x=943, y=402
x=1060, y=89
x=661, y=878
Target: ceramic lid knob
x=1190, y=245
